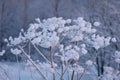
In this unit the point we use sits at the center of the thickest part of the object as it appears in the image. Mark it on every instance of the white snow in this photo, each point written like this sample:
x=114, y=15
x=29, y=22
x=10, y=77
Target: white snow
x=16, y=71
x=89, y=62
x=113, y=40
x=2, y=53
x=96, y=24
x=15, y=51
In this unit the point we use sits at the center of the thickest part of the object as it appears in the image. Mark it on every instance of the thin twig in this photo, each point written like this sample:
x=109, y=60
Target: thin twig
x=51, y=60
x=18, y=66
x=43, y=56
x=40, y=52
x=72, y=78
x=39, y=71
x=88, y=66
x=5, y=73
x=64, y=72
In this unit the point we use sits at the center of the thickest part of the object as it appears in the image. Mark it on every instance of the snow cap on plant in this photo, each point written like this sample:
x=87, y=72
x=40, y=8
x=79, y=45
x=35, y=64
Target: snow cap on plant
x=70, y=52
x=113, y=40
x=78, y=69
x=14, y=41
x=89, y=62
x=98, y=41
x=78, y=31
x=96, y=23
x=15, y=51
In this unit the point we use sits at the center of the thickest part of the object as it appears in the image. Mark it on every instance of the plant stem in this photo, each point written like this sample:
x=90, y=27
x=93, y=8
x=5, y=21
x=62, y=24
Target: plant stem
x=18, y=66
x=40, y=53
x=51, y=60
x=72, y=78
x=29, y=48
x=76, y=43
x=73, y=72
x=64, y=72
x=88, y=65
x=68, y=75
x=51, y=57
x=37, y=68
x=43, y=55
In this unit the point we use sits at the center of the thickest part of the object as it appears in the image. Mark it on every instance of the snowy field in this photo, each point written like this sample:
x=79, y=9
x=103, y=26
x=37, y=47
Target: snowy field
x=21, y=71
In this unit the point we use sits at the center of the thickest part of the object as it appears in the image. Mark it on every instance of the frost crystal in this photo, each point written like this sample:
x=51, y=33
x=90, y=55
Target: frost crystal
x=71, y=54
x=60, y=30
x=79, y=69
x=15, y=51
x=117, y=57
x=89, y=62
x=77, y=48
x=117, y=60
x=5, y=40
x=113, y=40
x=36, y=40
x=99, y=41
x=46, y=67
x=83, y=45
x=107, y=41
x=110, y=74
x=15, y=41
x=96, y=24
x=68, y=47
x=84, y=51
x=2, y=53
x=108, y=69
x=49, y=39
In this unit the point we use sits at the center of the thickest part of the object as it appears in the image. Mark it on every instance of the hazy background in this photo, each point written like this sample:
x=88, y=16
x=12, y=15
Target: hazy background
x=17, y=14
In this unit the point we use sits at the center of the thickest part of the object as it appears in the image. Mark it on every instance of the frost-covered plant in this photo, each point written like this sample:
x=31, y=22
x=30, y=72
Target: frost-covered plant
x=60, y=34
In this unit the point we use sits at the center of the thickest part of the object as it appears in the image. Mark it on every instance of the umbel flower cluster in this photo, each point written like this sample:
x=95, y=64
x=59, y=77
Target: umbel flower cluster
x=51, y=32
x=69, y=38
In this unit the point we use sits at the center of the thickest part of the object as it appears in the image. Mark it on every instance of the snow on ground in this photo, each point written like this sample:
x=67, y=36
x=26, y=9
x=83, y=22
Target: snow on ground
x=21, y=71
